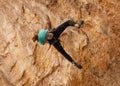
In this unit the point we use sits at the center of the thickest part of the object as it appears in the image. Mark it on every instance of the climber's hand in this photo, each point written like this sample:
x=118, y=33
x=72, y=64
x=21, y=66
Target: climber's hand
x=35, y=37
x=78, y=25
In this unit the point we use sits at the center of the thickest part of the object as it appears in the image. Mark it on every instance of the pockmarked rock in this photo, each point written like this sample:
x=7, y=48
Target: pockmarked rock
x=96, y=45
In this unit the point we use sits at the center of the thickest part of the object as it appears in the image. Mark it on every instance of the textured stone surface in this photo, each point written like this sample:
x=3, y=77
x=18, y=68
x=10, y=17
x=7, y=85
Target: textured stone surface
x=96, y=45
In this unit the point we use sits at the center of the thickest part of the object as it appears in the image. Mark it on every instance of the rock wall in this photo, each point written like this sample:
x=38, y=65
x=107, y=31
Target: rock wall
x=96, y=45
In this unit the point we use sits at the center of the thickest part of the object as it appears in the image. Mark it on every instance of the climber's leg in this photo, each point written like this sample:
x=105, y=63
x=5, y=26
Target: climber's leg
x=57, y=31
x=58, y=46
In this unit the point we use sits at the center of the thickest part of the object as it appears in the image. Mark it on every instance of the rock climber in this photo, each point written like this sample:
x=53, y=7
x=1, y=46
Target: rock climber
x=51, y=36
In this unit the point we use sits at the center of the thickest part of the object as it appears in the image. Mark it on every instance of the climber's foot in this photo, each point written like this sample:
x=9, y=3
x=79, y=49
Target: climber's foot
x=77, y=65
x=78, y=25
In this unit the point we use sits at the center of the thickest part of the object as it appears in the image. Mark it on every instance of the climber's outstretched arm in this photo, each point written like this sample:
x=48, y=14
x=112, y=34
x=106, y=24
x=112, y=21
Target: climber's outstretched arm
x=58, y=46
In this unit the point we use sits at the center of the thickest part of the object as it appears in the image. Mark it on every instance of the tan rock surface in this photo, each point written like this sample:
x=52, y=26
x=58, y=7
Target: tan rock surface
x=96, y=45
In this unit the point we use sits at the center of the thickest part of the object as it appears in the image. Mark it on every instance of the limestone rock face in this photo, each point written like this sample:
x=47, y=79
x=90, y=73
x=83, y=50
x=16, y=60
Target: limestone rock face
x=96, y=45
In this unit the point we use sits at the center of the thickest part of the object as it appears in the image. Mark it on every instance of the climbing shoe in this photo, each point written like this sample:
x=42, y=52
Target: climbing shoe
x=78, y=25
x=77, y=65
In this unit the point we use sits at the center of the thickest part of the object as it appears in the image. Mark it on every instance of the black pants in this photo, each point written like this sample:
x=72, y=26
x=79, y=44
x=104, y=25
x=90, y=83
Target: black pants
x=55, y=41
x=57, y=31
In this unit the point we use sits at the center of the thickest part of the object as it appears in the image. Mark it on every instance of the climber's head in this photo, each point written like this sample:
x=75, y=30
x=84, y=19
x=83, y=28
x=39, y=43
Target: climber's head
x=42, y=36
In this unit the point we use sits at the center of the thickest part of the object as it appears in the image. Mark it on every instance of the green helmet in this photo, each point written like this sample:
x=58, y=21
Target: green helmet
x=42, y=36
